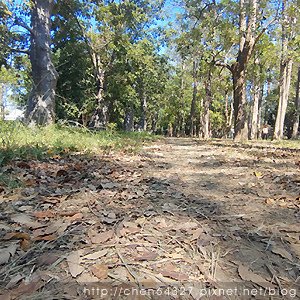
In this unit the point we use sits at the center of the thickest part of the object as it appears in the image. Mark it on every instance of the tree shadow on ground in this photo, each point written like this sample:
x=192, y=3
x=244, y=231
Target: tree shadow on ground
x=193, y=228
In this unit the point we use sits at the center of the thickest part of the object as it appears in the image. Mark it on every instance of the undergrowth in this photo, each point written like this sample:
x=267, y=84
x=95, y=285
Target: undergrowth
x=20, y=142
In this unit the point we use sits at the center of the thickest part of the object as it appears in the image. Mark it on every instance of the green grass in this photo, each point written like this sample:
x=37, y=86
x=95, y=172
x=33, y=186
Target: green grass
x=19, y=141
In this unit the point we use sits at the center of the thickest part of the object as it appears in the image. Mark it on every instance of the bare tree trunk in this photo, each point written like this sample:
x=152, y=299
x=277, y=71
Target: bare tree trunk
x=206, y=106
x=41, y=103
x=260, y=111
x=239, y=103
x=128, y=120
x=100, y=116
x=2, y=106
x=286, y=65
x=143, y=99
x=284, y=88
x=297, y=107
x=255, y=109
x=193, y=104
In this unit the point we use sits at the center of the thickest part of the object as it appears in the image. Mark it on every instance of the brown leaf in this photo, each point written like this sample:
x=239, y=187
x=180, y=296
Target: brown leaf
x=146, y=256
x=13, y=281
x=26, y=221
x=76, y=217
x=67, y=213
x=27, y=288
x=129, y=230
x=175, y=275
x=282, y=252
x=74, y=261
x=196, y=234
x=17, y=236
x=95, y=255
x=86, y=277
x=100, y=271
x=47, y=259
x=102, y=237
x=296, y=249
x=248, y=275
x=50, y=237
x=25, y=245
x=44, y=214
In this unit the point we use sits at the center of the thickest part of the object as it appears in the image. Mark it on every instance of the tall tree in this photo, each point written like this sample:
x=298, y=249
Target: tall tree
x=41, y=103
x=297, y=106
x=286, y=65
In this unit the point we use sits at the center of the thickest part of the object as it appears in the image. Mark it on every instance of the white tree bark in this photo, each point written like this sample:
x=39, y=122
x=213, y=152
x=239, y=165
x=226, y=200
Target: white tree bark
x=41, y=103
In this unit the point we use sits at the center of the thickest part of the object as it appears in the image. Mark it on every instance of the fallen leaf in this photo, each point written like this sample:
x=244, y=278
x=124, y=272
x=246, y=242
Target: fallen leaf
x=76, y=217
x=100, y=271
x=17, y=236
x=248, y=275
x=129, y=230
x=102, y=237
x=86, y=278
x=296, y=249
x=7, y=253
x=67, y=213
x=74, y=261
x=47, y=259
x=146, y=256
x=26, y=221
x=95, y=255
x=282, y=252
x=44, y=214
x=196, y=234
x=25, y=245
x=175, y=275
x=14, y=280
x=27, y=288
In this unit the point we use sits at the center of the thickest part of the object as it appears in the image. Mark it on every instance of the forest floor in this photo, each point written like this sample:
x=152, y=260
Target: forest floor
x=181, y=219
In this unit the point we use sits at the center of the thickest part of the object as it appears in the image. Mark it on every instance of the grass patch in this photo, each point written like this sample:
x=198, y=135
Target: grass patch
x=19, y=141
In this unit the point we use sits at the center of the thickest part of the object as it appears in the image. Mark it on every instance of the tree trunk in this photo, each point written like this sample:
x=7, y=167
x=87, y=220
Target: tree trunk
x=255, y=109
x=260, y=120
x=129, y=119
x=239, y=104
x=297, y=107
x=284, y=88
x=143, y=122
x=2, y=106
x=100, y=116
x=286, y=65
x=238, y=69
x=206, y=106
x=193, y=104
x=41, y=103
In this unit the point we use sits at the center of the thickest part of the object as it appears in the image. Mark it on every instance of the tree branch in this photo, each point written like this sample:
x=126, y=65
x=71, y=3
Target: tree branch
x=223, y=64
x=23, y=25
x=264, y=29
x=19, y=50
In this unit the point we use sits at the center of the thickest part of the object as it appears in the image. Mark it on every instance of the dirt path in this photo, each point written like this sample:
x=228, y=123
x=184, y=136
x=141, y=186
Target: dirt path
x=246, y=202
x=183, y=218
